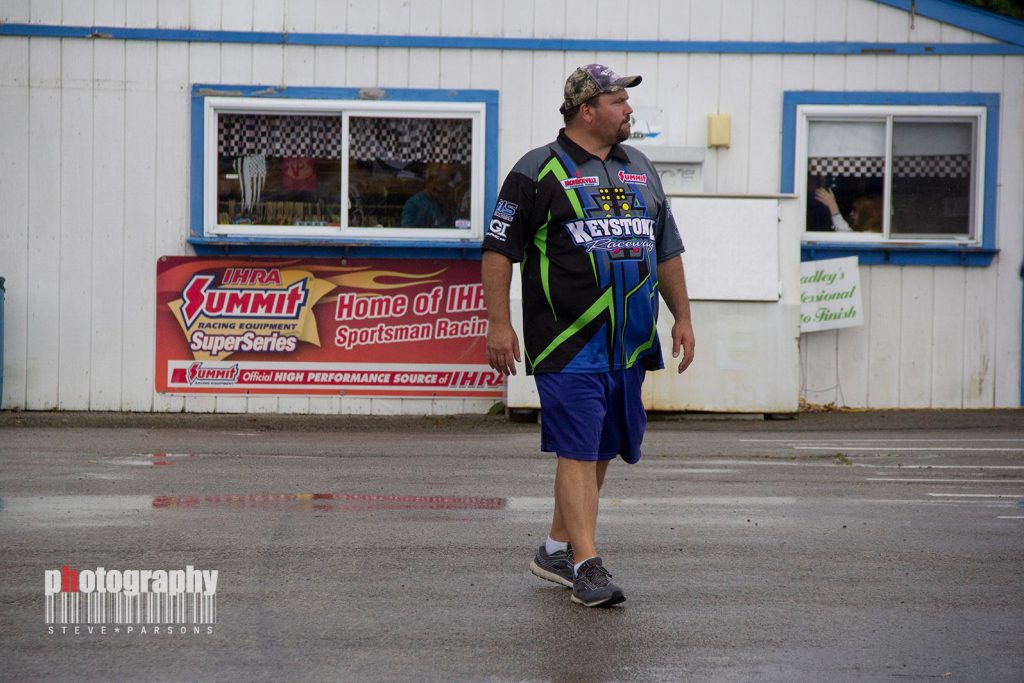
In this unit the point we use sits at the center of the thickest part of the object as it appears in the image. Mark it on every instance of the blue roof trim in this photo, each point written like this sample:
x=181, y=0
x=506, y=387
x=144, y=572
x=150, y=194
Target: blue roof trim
x=903, y=255
x=499, y=43
x=262, y=246
x=964, y=16
x=326, y=93
x=939, y=255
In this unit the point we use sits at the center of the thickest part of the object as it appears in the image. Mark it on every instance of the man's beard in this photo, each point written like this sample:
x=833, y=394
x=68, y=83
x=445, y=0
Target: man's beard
x=623, y=133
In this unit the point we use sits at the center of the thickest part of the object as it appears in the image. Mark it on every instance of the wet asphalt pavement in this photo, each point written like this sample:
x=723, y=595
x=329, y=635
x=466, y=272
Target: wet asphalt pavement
x=833, y=547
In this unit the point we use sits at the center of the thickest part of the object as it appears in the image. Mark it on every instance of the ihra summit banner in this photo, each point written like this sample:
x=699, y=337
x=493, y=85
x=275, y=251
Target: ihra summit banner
x=400, y=327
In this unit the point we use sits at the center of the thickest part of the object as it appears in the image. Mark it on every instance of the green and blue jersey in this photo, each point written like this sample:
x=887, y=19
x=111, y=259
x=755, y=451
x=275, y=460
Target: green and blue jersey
x=588, y=234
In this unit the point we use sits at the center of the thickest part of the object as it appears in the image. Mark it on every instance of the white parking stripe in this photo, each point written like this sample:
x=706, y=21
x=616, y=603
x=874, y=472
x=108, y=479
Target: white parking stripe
x=940, y=467
x=1015, y=440
x=911, y=448
x=976, y=495
x=687, y=470
x=927, y=480
x=531, y=503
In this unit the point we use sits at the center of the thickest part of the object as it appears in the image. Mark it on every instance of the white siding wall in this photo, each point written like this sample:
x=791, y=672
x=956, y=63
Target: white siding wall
x=937, y=337
x=94, y=175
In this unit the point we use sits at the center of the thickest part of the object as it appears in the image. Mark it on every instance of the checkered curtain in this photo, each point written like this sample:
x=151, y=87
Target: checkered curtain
x=409, y=140
x=277, y=135
x=920, y=166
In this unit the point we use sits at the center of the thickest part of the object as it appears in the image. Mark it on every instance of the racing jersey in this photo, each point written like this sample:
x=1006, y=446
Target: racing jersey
x=588, y=234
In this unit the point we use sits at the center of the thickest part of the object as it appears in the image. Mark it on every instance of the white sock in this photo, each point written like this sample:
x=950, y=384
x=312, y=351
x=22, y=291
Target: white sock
x=553, y=546
x=576, y=567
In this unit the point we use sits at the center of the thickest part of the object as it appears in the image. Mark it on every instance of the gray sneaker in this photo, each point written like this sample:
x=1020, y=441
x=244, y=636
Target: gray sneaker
x=593, y=586
x=555, y=567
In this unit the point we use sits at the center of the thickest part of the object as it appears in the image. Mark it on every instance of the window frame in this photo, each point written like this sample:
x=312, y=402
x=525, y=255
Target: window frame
x=208, y=101
x=809, y=113
x=373, y=109
x=800, y=106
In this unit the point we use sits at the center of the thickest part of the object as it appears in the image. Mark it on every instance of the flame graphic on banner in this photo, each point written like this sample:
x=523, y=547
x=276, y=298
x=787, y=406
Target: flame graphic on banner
x=368, y=279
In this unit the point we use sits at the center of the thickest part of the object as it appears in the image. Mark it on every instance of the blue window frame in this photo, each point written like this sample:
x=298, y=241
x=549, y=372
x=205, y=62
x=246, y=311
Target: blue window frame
x=902, y=178
x=309, y=170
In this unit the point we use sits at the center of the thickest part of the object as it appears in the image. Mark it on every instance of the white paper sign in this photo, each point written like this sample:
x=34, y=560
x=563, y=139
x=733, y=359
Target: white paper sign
x=647, y=127
x=830, y=294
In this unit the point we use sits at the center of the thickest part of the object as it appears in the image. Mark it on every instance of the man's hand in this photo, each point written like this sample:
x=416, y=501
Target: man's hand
x=502, y=348
x=682, y=336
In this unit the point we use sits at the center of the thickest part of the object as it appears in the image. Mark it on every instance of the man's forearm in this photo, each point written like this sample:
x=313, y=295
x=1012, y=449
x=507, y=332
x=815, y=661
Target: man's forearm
x=502, y=342
x=672, y=283
x=496, y=275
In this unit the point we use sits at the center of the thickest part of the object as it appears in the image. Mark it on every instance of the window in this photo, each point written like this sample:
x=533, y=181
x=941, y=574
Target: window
x=889, y=174
x=310, y=170
x=408, y=172
x=893, y=177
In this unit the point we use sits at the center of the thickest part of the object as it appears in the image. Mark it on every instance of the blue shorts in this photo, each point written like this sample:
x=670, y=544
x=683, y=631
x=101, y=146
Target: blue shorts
x=592, y=416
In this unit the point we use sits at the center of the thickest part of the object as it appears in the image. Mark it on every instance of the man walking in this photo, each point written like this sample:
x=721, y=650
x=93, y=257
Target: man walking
x=589, y=222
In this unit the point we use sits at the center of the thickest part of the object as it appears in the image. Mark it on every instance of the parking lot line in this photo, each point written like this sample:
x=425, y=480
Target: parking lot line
x=940, y=467
x=928, y=480
x=914, y=448
x=976, y=495
x=840, y=440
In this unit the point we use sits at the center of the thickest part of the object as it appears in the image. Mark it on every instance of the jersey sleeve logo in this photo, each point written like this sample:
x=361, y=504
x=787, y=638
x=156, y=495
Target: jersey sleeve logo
x=498, y=230
x=505, y=210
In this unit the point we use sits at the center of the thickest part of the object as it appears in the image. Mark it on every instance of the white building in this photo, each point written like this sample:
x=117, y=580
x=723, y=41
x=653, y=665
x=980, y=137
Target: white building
x=122, y=122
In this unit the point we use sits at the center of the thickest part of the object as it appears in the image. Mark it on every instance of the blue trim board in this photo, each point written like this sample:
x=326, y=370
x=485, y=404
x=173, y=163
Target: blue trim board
x=197, y=166
x=937, y=255
x=964, y=16
x=899, y=255
x=465, y=251
x=261, y=246
x=499, y=43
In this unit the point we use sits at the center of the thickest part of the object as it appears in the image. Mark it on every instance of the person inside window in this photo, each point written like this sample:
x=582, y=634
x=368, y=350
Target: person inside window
x=865, y=213
x=433, y=207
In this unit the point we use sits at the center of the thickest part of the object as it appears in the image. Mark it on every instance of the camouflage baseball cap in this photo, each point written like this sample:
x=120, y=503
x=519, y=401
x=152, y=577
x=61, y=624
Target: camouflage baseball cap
x=592, y=80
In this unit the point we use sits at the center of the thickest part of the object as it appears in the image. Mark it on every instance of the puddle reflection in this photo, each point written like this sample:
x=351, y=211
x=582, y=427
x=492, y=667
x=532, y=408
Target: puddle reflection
x=335, y=501
x=120, y=510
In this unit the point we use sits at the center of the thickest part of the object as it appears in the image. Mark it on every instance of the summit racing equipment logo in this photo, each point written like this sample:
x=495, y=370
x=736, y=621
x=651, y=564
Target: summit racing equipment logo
x=634, y=178
x=199, y=298
x=247, y=310
x=201, y=374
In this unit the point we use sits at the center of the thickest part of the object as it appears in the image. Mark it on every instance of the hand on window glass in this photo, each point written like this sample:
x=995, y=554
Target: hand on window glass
x=828, y=198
